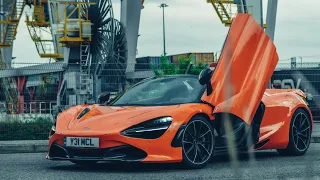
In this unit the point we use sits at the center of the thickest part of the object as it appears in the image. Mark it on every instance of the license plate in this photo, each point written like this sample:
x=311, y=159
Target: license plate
x=83, y=142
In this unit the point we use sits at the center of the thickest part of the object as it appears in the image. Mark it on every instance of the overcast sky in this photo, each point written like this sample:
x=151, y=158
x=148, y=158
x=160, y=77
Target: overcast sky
x=193, y=26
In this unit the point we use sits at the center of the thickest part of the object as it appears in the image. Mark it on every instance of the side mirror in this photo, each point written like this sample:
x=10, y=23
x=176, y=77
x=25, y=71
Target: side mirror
x=205, y=79
x=104, y=97
x=309, y=98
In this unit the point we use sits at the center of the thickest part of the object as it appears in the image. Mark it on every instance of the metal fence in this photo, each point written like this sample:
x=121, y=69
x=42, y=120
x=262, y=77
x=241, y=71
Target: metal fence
x=305, y=76
x=30, y=93
x=303, y=65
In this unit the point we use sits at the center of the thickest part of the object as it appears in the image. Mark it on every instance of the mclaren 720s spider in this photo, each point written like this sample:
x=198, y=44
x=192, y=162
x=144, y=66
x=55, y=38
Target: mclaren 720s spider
x=183, y=118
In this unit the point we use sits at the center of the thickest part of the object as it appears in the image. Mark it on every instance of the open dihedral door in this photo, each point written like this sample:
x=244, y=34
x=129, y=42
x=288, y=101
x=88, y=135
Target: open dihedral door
x=244, y=69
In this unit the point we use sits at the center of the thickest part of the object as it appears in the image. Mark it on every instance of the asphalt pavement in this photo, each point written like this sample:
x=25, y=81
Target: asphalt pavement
x=41, y=146
x=264, y=165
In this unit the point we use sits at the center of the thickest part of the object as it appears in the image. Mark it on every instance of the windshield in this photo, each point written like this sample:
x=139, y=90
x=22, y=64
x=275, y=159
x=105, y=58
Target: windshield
x=162, y=91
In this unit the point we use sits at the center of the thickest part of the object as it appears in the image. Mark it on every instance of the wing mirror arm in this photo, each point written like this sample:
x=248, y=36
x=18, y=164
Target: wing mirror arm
x=309, y=98
x=205, y=79
x=209, y=88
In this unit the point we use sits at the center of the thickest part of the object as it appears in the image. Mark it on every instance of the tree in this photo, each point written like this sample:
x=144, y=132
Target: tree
x=196, y=70
x=185, y=63
x=166, y=67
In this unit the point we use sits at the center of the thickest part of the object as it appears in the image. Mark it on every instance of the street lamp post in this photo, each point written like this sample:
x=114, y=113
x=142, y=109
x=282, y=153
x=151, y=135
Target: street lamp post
x=164, y=31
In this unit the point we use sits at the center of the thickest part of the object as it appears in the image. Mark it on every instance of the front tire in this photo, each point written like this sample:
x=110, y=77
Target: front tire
x=197, y=143
x=299, y=135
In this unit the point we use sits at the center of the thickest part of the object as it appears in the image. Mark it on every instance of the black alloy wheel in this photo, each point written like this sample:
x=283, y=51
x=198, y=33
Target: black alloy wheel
x=197, y=143
x=300, y=134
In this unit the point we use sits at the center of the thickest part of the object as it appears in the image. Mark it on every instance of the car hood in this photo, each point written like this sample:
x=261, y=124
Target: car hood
x=101, y=118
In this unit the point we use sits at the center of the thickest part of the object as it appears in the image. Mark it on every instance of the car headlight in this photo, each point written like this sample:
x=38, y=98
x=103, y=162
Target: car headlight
x=150, y=129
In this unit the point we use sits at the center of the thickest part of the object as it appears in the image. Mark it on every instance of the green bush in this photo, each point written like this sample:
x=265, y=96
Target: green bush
x=37, y=129
x=168, y=68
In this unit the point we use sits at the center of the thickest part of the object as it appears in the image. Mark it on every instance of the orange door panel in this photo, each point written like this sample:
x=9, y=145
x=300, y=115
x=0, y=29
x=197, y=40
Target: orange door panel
x=245, y=66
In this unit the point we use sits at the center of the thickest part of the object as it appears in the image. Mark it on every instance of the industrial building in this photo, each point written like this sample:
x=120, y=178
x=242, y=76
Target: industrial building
x=93, y=51
x=42, y=83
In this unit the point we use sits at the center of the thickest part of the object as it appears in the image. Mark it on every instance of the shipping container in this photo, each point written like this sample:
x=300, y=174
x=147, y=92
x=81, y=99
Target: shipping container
x=142, y=64
x=146, y=63
x=205, y=58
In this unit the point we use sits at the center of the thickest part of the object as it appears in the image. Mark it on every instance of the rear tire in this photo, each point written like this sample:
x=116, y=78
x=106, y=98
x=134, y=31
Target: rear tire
x=299, y=135
x=197, y=143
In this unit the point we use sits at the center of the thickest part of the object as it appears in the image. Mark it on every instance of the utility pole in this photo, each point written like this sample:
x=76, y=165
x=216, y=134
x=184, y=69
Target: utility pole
x=164, y=31
x=301, y=60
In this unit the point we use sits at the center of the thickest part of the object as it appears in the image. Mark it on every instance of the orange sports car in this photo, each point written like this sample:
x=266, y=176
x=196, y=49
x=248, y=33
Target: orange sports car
x=190, y=119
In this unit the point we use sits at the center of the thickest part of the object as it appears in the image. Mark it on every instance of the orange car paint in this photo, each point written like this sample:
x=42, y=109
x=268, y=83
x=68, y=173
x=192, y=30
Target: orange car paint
x=280, y=106
x=106, y=123
x=253, y=59
x=245, y=66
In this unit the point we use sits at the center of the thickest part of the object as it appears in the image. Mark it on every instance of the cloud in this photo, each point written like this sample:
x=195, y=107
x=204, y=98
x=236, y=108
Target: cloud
x=193, y=26
x=190, y=27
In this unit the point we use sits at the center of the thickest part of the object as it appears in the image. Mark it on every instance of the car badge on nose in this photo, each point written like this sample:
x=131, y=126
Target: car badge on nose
x=86, y=128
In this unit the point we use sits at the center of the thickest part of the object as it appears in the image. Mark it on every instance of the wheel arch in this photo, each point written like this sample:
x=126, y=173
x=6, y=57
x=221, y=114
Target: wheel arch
x=177, y=138
x=291, y=148
x=308, y=112
x=279, y=139
x=204, y=115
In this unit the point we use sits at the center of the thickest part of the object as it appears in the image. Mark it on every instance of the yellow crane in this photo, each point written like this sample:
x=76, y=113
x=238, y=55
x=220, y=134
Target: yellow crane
x=223, y=9
x=226, y=10
x=10, y=20
x=39, y=28
x=10, y=89
x=38, y=25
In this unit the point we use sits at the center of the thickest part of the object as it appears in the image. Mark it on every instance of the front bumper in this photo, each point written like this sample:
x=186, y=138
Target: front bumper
x=116, y=147
x=125, y=153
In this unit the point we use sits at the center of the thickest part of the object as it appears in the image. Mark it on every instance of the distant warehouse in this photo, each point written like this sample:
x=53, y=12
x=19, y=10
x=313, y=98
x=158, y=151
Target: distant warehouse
x=205, y=58
x=146, y=63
